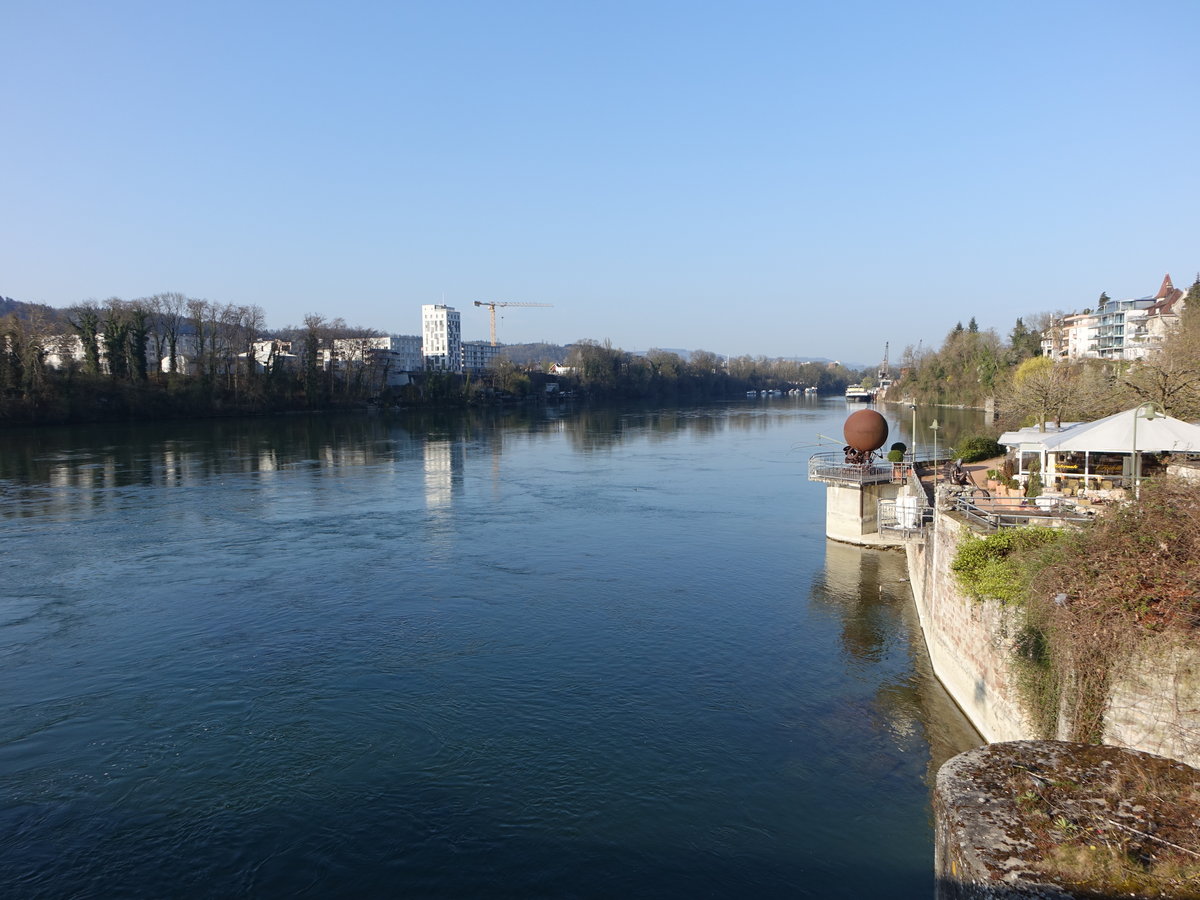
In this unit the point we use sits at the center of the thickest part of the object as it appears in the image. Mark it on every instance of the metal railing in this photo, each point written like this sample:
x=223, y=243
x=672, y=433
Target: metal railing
x=995, y=513
x=907, y=515
x=833, y=467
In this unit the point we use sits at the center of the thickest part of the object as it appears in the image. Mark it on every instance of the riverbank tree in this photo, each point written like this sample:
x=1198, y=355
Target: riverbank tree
x=1171, y=377
x=965, y=370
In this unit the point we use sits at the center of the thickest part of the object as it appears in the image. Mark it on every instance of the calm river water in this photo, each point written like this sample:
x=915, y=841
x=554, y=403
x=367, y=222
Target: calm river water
x=562, y=654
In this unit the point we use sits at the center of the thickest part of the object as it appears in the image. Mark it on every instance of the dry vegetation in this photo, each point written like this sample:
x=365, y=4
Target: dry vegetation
x=1090, y=598
x=1132, y=828
x=1099, y=593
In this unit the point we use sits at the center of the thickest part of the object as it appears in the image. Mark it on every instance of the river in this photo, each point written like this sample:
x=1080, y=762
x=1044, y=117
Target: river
x=559, y=653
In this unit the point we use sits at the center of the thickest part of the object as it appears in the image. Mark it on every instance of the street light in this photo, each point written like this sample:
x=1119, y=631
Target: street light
x=913, y=407
x=1148, y=410
x=934, y=428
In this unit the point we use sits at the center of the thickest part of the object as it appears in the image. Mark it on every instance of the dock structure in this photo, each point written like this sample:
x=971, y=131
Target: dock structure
x=871, y=504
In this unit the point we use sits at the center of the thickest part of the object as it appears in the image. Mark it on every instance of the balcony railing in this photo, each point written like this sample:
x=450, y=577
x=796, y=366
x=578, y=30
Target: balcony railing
x=994, y=514
x=832, y=467
x=907, y=516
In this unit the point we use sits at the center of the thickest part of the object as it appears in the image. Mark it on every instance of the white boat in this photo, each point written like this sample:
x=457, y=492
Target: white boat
x=856, y=393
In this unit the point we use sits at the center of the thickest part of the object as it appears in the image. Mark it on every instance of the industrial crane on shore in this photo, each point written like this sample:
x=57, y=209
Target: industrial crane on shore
x=492, y=306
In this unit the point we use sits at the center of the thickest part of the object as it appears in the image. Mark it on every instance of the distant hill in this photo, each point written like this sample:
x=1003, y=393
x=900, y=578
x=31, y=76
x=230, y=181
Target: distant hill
x=529, y=354
x=23, y=310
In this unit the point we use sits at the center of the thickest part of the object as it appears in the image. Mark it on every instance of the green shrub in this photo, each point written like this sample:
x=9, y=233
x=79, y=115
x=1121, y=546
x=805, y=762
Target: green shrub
x=1034, y=488
x=1001, y=564
x=978, y=447
x=895, y=455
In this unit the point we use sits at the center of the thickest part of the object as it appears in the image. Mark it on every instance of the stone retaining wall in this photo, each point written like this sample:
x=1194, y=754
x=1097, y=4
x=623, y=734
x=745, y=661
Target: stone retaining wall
x=1154, y=703
x=969, y=642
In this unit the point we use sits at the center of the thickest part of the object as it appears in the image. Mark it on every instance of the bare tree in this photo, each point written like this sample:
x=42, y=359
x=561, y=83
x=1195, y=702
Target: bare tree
x=169, y=317
x=1042, y=390
x=198, y=316
x=1171, y=376
x=314, y=326
x=24, y=343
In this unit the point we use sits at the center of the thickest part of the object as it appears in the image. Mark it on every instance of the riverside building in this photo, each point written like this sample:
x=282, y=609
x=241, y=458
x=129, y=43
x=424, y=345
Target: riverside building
x=1117, y=329
x=441, y=337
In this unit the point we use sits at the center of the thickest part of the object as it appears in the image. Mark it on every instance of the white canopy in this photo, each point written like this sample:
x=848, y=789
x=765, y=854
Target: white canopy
x=1112, y=434
x=1034, y=439
x=1115, y=434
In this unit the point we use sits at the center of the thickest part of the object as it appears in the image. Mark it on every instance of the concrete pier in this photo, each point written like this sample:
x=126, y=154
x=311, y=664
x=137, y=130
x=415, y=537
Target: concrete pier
x=853, y=498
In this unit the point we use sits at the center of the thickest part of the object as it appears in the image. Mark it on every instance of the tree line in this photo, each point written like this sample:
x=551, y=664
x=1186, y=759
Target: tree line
x=174, y=355
x=973, y=365
x=168, y=354
x=603, y=371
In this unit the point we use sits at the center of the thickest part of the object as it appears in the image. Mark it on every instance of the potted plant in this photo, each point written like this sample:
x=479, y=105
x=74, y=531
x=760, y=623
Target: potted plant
x=896, y=458
x=1033, y=488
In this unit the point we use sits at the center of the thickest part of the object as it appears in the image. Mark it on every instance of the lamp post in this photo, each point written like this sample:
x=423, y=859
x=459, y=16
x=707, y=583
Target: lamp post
x=913, y=407
x=1148, y=410
x=936, y=473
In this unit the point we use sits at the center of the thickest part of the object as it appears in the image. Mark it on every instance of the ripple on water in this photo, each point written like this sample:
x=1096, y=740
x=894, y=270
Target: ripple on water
x=489, y=664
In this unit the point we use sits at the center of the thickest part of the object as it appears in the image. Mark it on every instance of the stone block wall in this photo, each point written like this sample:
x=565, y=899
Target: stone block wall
x=970, y=643
x=1154, y=705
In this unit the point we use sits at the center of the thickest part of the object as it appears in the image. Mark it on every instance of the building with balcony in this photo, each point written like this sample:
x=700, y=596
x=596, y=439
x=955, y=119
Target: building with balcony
x=1127, y=329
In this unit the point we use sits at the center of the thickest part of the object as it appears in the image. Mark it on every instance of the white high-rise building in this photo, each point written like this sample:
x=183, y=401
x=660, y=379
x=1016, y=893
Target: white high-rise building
x=441, y=337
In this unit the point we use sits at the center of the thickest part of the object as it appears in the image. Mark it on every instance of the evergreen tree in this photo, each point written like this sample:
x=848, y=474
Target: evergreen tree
x=116, y=340
x=85, y=320
x=1024, y=342
x=1191, y=300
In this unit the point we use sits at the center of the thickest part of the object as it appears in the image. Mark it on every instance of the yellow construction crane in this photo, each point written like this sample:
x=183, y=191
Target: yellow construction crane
x=492, y=306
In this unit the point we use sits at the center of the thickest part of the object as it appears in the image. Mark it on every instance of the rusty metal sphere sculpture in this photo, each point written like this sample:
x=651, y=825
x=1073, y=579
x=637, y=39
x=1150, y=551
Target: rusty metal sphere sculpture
x=865, y=430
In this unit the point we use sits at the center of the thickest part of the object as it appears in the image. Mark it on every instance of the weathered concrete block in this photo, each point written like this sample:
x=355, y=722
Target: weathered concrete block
x=1001, y=808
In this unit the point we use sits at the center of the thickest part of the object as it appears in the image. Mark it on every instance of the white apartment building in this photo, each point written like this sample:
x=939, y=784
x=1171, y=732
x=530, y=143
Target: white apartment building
x=270, y=354
x=401, y=351
x=407, y=348
x=441, y=337
x=1119, y=329
x=1080, y=329
x=1118, y=326
x=392, y=356
x=478, y=355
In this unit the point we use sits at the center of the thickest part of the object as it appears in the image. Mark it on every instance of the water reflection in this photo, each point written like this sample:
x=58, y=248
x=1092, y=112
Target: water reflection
x=445, y=462
x=954, y=424
x=460, y=653
x=868, y=591
x=60, y=470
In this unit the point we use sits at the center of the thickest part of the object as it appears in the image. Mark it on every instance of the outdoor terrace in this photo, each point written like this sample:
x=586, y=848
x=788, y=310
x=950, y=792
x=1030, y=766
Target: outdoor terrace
x=832, y=467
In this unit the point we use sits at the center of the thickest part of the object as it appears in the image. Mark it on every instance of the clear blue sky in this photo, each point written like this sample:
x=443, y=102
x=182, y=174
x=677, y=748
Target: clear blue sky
x=767, y=178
